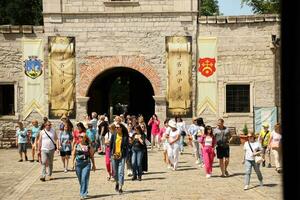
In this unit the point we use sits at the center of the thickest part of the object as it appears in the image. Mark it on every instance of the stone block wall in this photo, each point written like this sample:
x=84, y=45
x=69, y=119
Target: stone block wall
x=120, y=39
x=244, y=55
x=83, y=6
x=12, y=68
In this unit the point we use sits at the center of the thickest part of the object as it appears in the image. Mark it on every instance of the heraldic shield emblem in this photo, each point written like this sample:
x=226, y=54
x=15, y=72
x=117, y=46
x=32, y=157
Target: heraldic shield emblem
x=33, y=67
x=207, y=66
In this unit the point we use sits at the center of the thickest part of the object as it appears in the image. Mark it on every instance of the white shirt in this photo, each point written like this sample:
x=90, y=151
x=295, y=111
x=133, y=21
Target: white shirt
x=181, y=126
x=167, y=131
x=173, y=136
x=256, y=146
x=47, y=144
x=208, y=141
x=107, y=136
x=94, y=122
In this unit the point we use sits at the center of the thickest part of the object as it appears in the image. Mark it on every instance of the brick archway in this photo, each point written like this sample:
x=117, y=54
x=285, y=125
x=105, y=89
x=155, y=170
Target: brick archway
x=95, y=65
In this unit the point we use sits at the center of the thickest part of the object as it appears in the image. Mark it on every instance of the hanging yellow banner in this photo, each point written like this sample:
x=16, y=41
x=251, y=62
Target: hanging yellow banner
x=34, y=95
x=179, y=62
x=207, y=75
x=62, y=76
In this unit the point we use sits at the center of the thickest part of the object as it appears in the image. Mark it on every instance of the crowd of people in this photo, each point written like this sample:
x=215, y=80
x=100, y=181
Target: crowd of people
x=124, y=143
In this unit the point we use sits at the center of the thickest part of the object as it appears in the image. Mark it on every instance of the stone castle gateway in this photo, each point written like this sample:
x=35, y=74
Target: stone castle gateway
x=122, y=55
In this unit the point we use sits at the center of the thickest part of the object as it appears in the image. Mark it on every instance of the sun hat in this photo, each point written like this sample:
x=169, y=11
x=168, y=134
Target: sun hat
x=172, y=124
x=266, y=125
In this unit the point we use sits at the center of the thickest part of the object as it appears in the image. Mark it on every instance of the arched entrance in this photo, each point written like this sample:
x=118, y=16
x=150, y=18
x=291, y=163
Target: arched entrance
x=121, y=89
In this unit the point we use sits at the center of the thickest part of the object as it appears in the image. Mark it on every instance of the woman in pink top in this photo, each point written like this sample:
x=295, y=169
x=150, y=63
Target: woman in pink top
x=154, y=123
x=208, y=143
x=80, y=129
x=275, y=146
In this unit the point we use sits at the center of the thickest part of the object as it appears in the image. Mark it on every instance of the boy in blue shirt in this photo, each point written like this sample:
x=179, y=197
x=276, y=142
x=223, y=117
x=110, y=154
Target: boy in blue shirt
x=91, y=133
x=21, y=140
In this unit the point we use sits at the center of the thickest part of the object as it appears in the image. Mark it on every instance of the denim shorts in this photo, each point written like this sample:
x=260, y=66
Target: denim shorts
x=22, y=147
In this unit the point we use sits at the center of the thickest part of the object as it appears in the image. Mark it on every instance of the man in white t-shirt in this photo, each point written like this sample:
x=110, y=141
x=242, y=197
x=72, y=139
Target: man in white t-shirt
x=47, y=147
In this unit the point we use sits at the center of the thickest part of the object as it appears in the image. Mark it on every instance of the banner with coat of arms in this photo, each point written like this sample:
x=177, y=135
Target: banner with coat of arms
x=179, y=65
x=207, y=75
x=33, y=56
x=62, y=76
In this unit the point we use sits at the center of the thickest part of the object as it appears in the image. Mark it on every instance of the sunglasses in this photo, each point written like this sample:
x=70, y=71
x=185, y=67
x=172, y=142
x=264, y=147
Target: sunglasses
x=118, y=126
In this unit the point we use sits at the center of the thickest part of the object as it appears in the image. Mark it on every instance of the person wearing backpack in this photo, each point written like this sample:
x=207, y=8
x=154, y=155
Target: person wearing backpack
x=222, y=135
x=264, y=138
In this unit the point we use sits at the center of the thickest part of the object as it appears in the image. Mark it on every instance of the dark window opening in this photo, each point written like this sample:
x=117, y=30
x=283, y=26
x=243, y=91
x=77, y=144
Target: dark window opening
x=237, y=98
x=7, y=100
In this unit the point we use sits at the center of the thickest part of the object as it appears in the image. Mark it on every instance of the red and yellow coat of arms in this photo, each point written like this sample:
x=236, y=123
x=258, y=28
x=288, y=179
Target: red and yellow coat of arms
x=207, y=66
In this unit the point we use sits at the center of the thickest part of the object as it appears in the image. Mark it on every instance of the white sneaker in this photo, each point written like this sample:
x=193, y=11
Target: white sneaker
x=197, y=162
x=261, y=184
x=169, y=167
x=65, y=170
x=208, y=175
x=246, y=187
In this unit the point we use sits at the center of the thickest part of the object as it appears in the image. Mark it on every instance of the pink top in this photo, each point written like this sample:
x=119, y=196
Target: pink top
x=154, y=126
x=161, y=131
x=76, y=134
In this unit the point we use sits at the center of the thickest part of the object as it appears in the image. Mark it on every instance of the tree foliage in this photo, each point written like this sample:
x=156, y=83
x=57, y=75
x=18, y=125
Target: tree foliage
x=263, y=6
x=21, y=12
x=209, y=7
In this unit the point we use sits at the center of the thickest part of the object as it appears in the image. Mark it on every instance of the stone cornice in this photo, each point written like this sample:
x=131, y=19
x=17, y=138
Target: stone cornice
x=26, y=29
x=238, y=19
x=30, y=29
x=123, y=13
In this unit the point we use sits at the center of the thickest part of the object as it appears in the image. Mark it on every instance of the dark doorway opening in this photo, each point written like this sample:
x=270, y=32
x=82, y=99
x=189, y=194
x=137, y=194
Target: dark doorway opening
x=121, y=90
x=7, y=99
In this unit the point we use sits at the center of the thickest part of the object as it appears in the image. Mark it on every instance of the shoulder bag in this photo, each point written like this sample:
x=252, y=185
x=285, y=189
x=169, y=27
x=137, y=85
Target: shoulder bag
x=258, y=159
x=55, y=147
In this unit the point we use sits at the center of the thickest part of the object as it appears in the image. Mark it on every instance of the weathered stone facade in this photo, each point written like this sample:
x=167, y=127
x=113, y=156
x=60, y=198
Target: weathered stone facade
x=132, y=34
x=245, y=55
x=12, y=69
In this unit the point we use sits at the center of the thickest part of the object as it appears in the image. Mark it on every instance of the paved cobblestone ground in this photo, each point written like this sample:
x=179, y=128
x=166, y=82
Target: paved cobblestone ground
x=21, y=181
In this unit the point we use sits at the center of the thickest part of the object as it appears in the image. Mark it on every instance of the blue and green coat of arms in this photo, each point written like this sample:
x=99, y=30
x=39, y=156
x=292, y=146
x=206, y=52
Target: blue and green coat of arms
x=33, y=67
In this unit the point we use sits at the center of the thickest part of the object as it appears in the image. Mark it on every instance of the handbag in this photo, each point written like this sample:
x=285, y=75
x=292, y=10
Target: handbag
x=55, y=147
x=258, y=159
